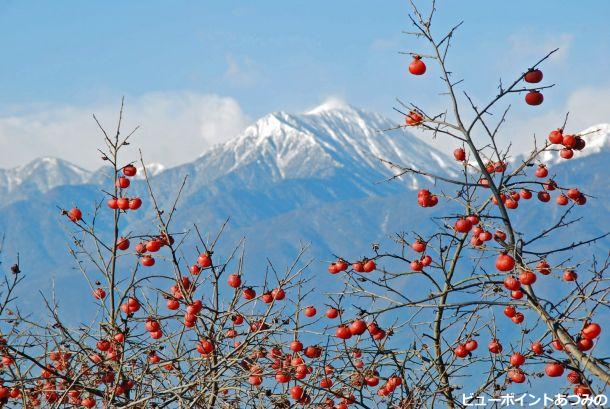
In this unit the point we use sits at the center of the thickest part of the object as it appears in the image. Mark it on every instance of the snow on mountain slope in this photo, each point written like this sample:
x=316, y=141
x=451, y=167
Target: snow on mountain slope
x=297, y=177
x=42, y=174
x=597, y=138
x=319, y=144
x=333, y=140
x=335, y=144
x=152, y=169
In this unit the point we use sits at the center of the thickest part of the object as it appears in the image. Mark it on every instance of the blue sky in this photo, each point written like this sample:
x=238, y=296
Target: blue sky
x=66, y=59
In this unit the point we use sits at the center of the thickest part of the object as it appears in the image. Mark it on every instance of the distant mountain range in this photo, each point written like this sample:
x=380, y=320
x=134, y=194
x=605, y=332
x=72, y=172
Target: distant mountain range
x=285, y=180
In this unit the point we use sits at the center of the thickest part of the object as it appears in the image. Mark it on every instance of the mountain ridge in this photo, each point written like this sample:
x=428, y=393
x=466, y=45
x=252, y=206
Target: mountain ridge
x=314, y=144
x=262, y=181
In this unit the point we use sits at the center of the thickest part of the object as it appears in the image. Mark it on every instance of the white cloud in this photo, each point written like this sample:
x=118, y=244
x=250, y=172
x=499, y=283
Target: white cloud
x=587, y=107
x=175, y=127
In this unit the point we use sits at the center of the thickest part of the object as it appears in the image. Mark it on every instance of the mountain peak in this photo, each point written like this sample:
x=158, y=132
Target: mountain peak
x=51, y=162
x=43, y=174
x=153, y=169
x=331, y=104
x=332, y=138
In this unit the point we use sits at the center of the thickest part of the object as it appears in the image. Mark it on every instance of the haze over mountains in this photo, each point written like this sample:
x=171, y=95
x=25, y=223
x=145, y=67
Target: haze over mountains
x=286, y=180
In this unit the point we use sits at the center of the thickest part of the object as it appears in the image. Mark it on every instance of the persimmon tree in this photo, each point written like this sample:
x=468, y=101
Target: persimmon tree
x=481, y=264
x=449, y=311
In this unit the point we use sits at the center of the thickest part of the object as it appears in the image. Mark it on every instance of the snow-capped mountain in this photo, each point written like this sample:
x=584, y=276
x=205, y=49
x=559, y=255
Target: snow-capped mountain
x=286, y=179
x=42, y=174
x=597, y=138
x=152, y=169
x=329, y=142
x=321, y=141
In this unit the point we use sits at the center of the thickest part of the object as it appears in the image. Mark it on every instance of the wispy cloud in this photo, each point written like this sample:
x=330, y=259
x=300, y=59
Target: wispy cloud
x=529, y=46
x=384, y=44
x=242, y=72
x=176, y=127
